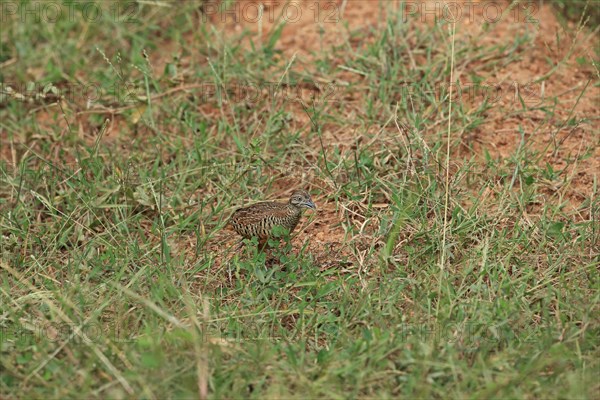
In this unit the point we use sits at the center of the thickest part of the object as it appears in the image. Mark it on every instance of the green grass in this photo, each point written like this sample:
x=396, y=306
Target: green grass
x=115, y=279
x=578, y=10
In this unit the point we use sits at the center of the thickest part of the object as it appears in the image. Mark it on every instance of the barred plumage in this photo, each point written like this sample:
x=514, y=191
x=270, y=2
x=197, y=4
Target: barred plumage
x=258, y=220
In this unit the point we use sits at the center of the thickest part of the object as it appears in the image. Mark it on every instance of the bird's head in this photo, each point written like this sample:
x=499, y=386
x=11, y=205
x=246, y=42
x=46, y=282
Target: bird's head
x=301, y=199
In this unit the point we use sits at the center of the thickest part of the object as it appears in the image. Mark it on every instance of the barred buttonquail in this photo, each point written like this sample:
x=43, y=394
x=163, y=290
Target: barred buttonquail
x=260, y=219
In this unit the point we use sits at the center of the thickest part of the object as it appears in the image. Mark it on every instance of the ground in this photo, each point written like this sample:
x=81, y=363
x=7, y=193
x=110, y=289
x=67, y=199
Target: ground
x=452, y=149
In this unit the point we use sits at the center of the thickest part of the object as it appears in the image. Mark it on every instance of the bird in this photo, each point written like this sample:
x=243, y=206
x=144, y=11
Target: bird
x=258, y=220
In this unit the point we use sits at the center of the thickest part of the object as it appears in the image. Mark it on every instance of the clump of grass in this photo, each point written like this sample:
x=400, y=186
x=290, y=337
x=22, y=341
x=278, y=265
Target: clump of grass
x=578, y=10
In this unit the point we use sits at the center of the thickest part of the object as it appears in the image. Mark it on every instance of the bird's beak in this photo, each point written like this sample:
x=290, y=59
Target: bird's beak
x=310, y=204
